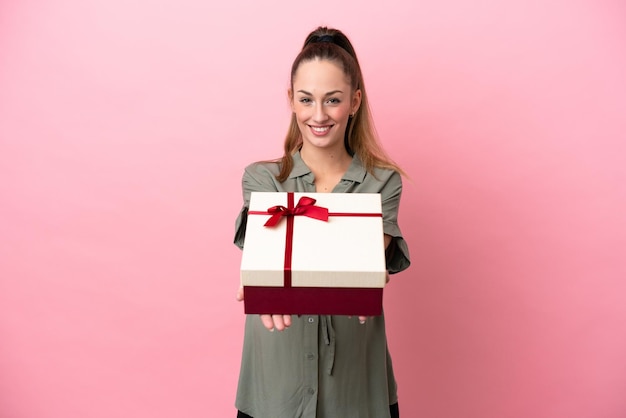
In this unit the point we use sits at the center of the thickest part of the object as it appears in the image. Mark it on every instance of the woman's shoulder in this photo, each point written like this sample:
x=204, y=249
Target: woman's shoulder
x=378, y=169
x=263, y=168
x=386, y=175
x=261, y=175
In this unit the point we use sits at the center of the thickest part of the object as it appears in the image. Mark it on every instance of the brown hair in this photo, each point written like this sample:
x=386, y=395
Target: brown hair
x=361, y=138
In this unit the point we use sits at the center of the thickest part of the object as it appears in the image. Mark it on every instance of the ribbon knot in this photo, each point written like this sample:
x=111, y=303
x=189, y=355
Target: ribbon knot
x=305, y=207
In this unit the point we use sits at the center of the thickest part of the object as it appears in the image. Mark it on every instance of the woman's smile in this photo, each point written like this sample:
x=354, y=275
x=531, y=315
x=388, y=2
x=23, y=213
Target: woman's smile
x=320, y=130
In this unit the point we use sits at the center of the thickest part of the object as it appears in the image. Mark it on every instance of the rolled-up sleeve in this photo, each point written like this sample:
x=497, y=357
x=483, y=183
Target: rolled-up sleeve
x=397, y=253
x=256, y=178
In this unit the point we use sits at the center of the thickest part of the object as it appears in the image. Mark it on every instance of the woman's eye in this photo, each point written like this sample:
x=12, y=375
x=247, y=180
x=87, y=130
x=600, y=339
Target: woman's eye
x=333, y=101
x=305, y=100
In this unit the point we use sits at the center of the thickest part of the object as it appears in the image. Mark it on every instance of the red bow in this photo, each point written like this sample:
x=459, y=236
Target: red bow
x=306, y=207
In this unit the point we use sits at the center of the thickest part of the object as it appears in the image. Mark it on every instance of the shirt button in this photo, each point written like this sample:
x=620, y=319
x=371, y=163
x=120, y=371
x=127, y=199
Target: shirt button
x=310, y=356
x=311, y=391
x=311, y=319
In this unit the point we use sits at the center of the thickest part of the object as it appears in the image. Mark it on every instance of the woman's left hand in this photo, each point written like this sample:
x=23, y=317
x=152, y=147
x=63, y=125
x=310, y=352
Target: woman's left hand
x=362, y=319
x=271, y=322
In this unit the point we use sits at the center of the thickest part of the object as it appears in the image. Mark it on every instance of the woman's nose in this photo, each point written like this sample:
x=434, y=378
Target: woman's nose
x=320, y=114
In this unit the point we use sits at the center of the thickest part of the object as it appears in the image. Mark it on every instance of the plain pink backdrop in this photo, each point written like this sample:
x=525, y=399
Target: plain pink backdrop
x=124, y=130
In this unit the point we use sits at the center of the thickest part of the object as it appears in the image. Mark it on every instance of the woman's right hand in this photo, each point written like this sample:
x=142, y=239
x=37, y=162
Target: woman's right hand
x=271, y=322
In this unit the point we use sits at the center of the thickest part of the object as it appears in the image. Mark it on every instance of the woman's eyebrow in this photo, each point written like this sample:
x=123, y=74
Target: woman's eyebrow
x=330, y=93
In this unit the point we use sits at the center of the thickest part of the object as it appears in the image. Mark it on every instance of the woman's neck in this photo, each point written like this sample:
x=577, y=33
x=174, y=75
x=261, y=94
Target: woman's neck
x=322, y=161
x=327, y=166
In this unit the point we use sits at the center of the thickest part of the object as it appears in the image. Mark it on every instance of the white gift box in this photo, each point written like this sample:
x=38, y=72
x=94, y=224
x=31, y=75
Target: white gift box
x=305, y=264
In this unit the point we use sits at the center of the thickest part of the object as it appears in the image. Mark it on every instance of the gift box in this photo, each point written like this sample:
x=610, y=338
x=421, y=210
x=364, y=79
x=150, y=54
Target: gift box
x=314, y=253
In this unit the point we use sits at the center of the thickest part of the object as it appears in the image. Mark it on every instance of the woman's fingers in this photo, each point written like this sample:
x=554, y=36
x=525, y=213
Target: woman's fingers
x=271, y=322
x=282, y=322
x=268, y=322
x=278, y=322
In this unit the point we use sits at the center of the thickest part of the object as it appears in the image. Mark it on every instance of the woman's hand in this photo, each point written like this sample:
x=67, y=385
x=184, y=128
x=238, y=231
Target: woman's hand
x=279, y=322
x=271, y=322
x=362, y=319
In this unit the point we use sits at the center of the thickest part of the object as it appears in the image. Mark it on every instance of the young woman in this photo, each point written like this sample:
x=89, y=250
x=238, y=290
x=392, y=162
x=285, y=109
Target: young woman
x=323, y=366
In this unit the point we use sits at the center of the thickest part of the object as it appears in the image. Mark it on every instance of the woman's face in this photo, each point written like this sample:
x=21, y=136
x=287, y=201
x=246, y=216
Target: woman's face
x=322, y=100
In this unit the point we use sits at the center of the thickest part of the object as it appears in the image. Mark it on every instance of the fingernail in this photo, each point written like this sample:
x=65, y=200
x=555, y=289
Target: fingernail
x=272, y=330
x=362, y=321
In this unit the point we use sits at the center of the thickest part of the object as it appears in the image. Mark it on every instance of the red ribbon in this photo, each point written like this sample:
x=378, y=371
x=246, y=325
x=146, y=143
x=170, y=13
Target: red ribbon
x=305, y=207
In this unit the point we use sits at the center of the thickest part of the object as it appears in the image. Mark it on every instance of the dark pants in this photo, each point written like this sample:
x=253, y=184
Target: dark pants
x=395, y=412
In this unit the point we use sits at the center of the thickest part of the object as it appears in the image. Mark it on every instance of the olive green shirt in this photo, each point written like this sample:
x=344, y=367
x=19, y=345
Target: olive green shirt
x=321, y=366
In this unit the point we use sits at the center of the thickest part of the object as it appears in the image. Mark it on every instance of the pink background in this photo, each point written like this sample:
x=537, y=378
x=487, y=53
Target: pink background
x=124, y=130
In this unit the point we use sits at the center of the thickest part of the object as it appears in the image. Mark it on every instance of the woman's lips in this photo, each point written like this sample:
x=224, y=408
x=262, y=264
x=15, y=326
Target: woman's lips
x=320, y=130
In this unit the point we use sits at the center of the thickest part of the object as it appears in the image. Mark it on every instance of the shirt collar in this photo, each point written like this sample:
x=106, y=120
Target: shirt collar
x=356, y=172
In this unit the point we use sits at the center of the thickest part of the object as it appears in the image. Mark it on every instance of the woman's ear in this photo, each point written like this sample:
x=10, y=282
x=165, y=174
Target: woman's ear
x=356, y=101
x=290, y=97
